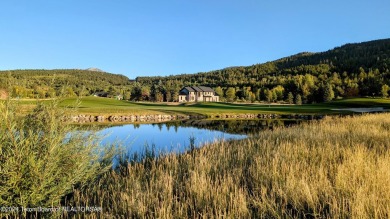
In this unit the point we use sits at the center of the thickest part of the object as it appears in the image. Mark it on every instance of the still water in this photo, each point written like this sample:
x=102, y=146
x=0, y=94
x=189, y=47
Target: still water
x=176, y=136
x=162, y=137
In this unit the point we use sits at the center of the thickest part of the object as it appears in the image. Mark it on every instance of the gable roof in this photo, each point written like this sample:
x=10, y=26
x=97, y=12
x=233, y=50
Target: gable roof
x=189, y=89
x=198, y=89
x=206, y=89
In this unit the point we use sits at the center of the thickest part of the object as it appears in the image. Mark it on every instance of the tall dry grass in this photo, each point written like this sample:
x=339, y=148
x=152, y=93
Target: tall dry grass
x=334, y=168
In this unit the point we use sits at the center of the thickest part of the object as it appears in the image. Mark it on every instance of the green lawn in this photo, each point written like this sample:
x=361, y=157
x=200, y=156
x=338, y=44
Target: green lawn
x=96, y=105
x=102, y=106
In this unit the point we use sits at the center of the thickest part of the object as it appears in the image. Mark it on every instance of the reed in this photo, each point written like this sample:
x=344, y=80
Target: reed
x=334, y=168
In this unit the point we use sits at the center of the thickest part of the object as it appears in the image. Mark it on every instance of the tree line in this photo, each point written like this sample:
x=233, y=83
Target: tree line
x=67, y=82
x=352, y=70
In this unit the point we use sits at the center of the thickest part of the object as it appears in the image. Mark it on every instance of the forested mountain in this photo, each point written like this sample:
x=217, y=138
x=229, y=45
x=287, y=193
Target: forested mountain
x=359, y=69
x=71, y=82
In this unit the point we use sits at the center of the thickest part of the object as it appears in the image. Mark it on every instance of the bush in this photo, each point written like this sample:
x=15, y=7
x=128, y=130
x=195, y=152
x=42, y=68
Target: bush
x=42, y=159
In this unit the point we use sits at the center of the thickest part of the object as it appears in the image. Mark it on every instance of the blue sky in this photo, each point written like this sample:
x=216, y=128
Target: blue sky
x=152, y=37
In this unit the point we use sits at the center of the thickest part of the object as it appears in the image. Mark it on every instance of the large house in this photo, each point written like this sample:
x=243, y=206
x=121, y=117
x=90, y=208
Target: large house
x=198, y=94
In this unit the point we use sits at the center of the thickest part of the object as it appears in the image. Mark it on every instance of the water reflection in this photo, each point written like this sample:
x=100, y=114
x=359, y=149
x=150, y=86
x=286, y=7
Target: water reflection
x=163, y=138
x=233, y=126
x=176, y=136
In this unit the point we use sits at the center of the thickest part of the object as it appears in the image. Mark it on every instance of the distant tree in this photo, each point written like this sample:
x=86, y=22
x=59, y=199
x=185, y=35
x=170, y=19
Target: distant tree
x=175, y=95
x=328, y=93
x=247, y=93
x=385, y=90
x=370, y=86
x=253, y=97
x=298, y=99
x=278, y=90
x=306, y=92
x=258, y=94
x=352, y=90
x=126, y=94
x=136, y=93
x=111, y=91
x=218, y=90
x=274, y=95
x=339, y=91
x=230, y=94
x=290, y=98
x=269, y=95
x=159, y=97
x=145, y=93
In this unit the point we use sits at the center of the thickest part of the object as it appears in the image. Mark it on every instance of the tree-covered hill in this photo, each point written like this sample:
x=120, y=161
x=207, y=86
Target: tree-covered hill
x=47, y=83
x=359, y=69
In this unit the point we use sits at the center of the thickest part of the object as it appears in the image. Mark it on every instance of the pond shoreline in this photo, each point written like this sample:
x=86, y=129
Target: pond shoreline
x=157, y=118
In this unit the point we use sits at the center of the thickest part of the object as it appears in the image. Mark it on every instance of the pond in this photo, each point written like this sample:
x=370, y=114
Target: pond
x=162, y=138
x=178, y=136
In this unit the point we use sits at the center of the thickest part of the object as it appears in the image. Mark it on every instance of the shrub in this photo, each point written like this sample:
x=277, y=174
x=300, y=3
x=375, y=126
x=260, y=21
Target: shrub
x=42, y=159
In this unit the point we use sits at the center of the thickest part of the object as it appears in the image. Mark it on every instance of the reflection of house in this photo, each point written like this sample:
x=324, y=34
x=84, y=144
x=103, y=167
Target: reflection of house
x=198, y=94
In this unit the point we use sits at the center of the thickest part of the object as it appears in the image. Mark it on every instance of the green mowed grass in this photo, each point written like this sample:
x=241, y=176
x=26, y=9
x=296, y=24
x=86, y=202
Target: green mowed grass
x=362, y=102
x=105, y=105
x=98, y=105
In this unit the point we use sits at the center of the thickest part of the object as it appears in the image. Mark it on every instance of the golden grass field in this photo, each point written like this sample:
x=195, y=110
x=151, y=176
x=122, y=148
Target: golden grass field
x=334, y=168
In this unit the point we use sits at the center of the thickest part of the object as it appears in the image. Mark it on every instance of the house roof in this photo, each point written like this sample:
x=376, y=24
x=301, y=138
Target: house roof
x=199, y=89
x=189, y=89
x=206, y=89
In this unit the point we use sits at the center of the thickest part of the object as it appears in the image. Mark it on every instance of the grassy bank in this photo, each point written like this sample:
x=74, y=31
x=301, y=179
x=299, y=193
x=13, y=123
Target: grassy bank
x=99, y=106
x=334, y=168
